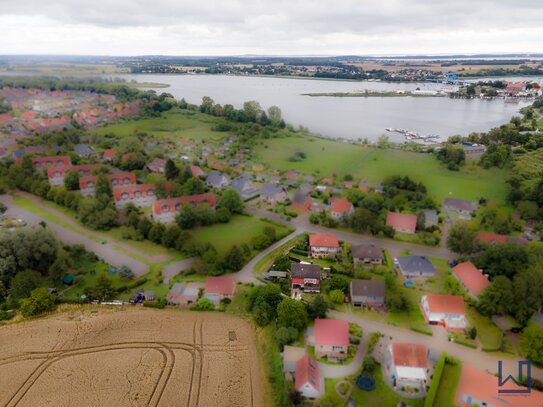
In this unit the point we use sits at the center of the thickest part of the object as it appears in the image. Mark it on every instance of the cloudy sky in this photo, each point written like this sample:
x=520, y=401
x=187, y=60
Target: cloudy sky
x=286, y=27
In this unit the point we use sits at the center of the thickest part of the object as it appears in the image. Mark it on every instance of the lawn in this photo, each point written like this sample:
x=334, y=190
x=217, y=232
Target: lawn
x=381, y=396
x=488, y=333
x=240, y=229
x=327, y=157
x=171, y=125
x=412, y=319
x=447, y=385
x=264, y=264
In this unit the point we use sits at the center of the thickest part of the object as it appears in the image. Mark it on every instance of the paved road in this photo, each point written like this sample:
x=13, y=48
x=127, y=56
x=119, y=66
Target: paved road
x=175, y=268
x=437, y=343
x=338, y=371
x=302, y=224
x=106, y=252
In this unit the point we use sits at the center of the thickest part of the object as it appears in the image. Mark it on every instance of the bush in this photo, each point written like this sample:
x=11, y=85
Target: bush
x=203, y=304
x=372, y=341
x=337, y=296
x=285, y=336
x=160, y=303
x=40, y=301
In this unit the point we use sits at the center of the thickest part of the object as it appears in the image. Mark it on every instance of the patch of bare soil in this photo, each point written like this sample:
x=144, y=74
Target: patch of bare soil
x=129, y=357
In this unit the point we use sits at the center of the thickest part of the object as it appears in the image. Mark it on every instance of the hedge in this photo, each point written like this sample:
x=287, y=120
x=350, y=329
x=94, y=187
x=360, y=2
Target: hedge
x=432, y=392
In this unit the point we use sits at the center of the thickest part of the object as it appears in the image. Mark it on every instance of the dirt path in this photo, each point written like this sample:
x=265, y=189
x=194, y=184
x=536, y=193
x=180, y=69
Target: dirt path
x=106, y=252
x=174, y=268
x=156, y=258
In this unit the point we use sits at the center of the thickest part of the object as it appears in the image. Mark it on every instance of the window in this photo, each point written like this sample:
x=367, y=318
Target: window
x=150, y=192
x=138, y=194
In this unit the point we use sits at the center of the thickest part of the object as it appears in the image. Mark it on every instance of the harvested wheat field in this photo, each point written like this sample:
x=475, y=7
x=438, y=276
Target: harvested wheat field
x=129, y=357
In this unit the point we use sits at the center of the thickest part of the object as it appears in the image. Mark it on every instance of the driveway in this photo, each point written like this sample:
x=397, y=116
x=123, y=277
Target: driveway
x=106, y=252
x=337, y=371
x=175, y=268
x=302, y=224
x=438, y=343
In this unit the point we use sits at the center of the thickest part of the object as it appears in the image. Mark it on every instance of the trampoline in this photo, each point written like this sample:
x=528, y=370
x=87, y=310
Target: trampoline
x=365, y=383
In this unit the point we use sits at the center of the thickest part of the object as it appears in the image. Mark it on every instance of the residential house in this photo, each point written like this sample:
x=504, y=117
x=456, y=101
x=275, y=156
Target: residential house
x=367, y=254
x=402, y=223
x=219, y=288
x=364, y=186
x=431, y=218
x=480, y=388
x=331, y=339
x=323, y=245
x=459, y=207
x=414, y=266
x=370, y=293
x=83, y=150
x=142, y=195
x=306, y=188
x=301, y=202
x=197, y=171
x=109, y=155
x=184, y=295
x=56, y=175
x=308, y=379
x=341, y=208
x=409, y=364
x=291, y=175
x=245, y=187
x=446, y=310
x=306, y=277
x=158, y=165
x=40, y=163
x=272, y=194
x=472, y=279
x=379, y=188
x=217, y=180
x=495, y=239
x=87, y=183
x=164, y=210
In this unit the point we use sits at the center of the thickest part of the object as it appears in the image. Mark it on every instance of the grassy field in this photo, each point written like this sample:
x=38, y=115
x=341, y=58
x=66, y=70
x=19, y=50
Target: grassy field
x=447, y=385
x=412, y=319
x=240, y=229
x=170, y=126
x=327, y=157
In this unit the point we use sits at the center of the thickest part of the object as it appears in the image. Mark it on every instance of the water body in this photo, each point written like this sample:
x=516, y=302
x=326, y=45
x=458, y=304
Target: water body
x=347, y=117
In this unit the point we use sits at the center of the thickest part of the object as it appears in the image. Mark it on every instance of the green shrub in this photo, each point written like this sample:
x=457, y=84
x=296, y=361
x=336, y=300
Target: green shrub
x=432, y=391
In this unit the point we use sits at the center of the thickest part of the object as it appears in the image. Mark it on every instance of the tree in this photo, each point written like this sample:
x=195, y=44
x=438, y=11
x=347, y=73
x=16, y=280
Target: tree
x=204, y=215
x=252, y=110
x=155, y=233
x=102, y=290
x=383, y=142
x=369, y=364
x=60, y=267
x=144, y=226
x=292, y=313
x=171, y=170
x=337, y=296
x=103, y=187
x=3, y=208
x=338, y=282
x=24, y=283
x=461, y=238
x=40, y=301
x=194, y=186
x=71, y=181
x=453, y=156
x=296, y=397
x=285, y=336
x=126, y=272
x=318, y=307
x=497, y=298
x=234, y=259
x=231, y=200
x=532, y=344
x=274, y=114
x=170, y=236
x=186, y=218
x=362, y=220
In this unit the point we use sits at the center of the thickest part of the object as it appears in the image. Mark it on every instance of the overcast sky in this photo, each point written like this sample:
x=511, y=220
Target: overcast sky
x=286, y=27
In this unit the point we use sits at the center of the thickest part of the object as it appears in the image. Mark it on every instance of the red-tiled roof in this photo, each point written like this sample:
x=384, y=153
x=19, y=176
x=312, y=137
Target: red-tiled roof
x=446, y=304
x=143, y=189
x=410, y=355
x=84, y=169
x=196, y=171
x=167, y=205
x=323, y=240
x=307, y=371
x=120, y=178
x=110, y=153
x=328, y=181
x=484, y=387
x=472, y=278
x=342, y=205
x=492, y=238
x=401, y=220
x=333, y=332
x=57, y=161
x=220, y=285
